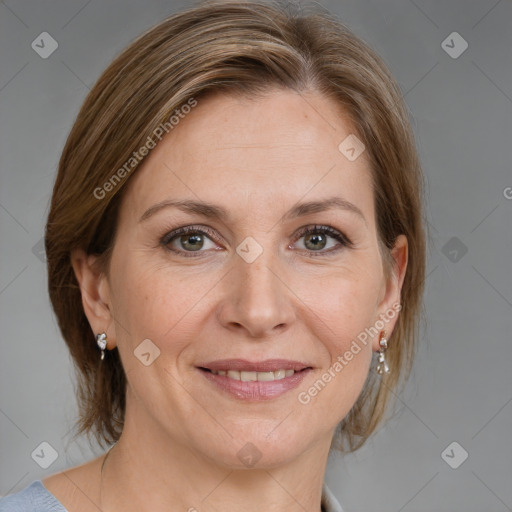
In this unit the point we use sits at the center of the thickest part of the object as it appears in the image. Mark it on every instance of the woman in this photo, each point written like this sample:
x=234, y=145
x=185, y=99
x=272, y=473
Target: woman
x=235, y=229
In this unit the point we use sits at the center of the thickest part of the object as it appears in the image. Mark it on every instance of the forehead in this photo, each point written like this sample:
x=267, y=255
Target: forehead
x=255, y=153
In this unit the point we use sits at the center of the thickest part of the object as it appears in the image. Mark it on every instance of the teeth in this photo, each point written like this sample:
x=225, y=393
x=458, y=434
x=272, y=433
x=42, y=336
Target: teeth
x=254, y=376
x=266, y=376
x=248, y=376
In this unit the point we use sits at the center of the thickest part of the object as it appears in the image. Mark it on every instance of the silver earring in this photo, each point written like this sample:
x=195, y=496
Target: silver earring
x=101, y=340
x=383, y=367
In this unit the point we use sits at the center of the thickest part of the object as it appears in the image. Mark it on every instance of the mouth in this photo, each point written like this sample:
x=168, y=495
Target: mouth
x=250, y=376
x=254, y=381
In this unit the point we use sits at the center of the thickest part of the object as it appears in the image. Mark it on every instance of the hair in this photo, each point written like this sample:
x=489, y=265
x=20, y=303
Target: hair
x=246, y=48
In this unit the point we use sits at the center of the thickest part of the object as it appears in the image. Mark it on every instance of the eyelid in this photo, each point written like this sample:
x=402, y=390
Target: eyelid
x=327, y=230
x=343, y=240
x=185, y=230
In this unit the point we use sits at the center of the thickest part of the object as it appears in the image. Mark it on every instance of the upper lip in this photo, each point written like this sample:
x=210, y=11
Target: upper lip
x=268, y=365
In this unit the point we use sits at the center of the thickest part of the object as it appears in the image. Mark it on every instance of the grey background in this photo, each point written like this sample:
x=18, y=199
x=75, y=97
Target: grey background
x=461, y=387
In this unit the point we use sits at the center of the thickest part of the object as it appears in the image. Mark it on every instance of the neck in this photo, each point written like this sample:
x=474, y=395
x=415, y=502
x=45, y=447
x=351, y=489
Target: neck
x=149, y=470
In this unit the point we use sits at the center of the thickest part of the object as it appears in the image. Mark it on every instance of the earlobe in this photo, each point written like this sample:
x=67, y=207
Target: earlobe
x=95, y=292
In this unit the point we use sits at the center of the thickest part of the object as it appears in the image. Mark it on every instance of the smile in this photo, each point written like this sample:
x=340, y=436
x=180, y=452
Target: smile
x=254, y=381
x=248, y=376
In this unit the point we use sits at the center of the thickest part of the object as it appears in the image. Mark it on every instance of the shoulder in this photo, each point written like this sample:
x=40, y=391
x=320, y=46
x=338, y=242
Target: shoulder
x=76, y=488
x=33, y=498
x=69, y=490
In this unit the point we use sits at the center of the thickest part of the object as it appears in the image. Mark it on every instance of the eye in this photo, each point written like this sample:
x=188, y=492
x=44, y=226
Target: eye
x=189, y=239
x=316, y=238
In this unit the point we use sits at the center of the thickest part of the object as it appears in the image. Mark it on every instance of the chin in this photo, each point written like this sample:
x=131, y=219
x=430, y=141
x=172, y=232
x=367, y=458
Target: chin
x=258, y=447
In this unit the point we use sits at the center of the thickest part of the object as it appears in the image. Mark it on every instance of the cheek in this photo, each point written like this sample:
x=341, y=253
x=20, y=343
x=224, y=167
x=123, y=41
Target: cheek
x=153, y=302
x=343, y=301
x=338, y=384
x=353, y=313
x=344, y=308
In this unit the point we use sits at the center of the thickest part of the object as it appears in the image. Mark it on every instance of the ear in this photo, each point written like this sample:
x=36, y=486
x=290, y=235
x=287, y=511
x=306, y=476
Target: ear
x=388, y=311
x=95, y=292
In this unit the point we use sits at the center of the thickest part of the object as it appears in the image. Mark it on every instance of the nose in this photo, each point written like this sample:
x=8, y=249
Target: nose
x=257, y=301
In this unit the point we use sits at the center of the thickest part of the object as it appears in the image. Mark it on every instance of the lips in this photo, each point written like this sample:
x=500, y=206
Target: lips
x=254, y=380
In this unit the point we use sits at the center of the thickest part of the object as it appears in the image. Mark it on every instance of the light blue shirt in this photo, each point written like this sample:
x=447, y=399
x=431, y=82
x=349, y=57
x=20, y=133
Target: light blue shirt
x=37, y=498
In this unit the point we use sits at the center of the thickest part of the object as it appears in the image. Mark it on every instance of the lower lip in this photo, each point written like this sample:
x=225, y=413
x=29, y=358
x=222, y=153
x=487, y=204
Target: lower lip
x=255, y=391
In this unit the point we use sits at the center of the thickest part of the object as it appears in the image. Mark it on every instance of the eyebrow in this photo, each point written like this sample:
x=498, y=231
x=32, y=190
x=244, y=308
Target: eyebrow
x=218, y=212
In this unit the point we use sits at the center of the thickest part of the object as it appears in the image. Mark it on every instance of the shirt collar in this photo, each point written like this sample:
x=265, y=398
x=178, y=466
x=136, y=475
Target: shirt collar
x=329, y=501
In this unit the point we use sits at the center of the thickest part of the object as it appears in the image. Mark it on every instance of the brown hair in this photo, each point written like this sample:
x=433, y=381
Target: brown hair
x=245, y=48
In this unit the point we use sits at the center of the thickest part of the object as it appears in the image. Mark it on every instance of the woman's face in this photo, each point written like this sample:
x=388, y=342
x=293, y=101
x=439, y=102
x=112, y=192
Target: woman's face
x=246, y=289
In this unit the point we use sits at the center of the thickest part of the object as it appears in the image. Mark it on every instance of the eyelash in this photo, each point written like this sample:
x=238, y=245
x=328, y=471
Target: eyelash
x=187, y=230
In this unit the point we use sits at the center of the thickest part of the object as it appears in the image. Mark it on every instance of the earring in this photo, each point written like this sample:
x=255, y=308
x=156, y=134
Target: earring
x=382, y=367
x=101, y=340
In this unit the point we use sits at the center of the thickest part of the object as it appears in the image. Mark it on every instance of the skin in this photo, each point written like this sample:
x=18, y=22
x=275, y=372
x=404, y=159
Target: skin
x=256, y=158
